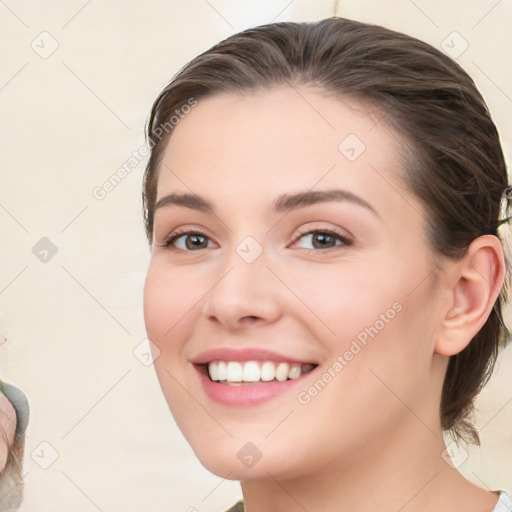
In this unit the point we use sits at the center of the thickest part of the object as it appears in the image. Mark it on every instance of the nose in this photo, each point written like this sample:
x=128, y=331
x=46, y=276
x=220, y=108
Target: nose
x=244, y=294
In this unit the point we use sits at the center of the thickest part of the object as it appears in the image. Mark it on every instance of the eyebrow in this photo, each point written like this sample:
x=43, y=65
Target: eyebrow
x=283, y=203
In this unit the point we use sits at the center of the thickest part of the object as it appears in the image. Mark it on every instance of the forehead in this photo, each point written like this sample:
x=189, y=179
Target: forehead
x=281, y=138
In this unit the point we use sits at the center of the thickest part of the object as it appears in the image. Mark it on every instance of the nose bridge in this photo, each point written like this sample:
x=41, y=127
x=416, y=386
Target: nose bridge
x=246, y=288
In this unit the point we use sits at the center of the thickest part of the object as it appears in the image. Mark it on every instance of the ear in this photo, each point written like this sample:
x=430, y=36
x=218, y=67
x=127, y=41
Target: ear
x=476, y=281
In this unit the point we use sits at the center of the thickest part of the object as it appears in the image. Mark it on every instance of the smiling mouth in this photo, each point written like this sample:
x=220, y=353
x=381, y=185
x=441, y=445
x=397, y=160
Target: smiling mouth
x=238, y=373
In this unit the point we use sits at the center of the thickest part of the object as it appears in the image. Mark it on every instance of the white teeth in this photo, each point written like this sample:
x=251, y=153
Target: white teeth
x=254, y=371
x=251, y=372
x=234, y=372
x=294, y=372
x=282, y=371
x=222, y=371
x=213, y=370
x=267, y=371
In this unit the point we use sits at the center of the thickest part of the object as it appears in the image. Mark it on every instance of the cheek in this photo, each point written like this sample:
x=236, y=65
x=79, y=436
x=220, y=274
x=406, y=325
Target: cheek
x=344, y=302
x=380, y=356
x=169, y=296
x=374, y=318
x=168, y=304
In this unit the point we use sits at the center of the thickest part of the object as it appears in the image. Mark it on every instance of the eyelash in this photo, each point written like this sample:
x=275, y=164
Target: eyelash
x=169, y=241
x=345, y=241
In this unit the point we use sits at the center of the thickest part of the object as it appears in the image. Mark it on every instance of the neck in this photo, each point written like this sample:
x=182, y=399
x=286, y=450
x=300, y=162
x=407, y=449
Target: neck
x=406, y=473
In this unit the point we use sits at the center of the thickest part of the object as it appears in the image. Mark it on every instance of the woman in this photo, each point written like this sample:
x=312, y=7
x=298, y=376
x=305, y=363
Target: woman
x=322, y=202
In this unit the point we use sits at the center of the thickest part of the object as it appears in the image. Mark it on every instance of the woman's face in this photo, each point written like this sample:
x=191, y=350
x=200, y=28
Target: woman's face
x=291, y=240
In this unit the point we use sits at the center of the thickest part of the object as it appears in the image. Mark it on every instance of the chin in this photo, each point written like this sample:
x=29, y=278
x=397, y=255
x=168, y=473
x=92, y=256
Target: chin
x=238, y=459
x=227, y=469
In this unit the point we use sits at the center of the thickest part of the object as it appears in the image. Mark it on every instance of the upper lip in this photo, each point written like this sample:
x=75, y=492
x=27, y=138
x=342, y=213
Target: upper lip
x=246, y=354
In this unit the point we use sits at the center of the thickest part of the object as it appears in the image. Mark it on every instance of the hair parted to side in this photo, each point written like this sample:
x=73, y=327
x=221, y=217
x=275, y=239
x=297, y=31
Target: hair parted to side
x=456, y=166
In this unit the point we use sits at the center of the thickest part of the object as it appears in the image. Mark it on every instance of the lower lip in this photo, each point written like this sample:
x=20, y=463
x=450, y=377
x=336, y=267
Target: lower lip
x=246, y=395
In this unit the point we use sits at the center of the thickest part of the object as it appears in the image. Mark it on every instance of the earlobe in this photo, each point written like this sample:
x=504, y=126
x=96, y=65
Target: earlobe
x=478, y=279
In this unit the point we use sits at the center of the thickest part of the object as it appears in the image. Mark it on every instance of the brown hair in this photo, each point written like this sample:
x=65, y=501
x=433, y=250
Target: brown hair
x=456, y=166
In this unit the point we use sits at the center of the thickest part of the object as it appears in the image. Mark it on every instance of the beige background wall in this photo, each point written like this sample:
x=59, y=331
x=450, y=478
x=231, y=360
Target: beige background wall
x=76, y=83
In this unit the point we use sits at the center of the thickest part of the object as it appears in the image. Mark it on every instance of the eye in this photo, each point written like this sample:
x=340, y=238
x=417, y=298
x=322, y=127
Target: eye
x=188, y=241
x=322, y=239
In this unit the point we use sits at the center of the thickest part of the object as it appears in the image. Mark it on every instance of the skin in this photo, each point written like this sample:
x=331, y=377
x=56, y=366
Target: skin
x=371, y=439
x=11, y=457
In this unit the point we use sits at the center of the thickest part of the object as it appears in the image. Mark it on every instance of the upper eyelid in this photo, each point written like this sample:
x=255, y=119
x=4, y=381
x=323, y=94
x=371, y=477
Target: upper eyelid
x=178, y=233
x=344, y=239
x=322, y=230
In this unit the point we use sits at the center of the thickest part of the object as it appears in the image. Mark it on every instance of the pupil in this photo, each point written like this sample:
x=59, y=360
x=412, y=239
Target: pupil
x=323, y=240
x=195, y=241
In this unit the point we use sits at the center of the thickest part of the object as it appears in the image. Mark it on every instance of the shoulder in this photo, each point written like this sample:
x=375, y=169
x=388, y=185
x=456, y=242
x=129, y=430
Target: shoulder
x=238, y=507
x=504, y=503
